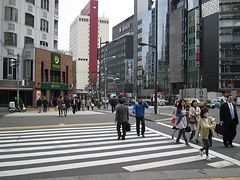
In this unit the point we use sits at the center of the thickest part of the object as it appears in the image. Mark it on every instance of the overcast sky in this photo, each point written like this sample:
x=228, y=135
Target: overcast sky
x=115, y=10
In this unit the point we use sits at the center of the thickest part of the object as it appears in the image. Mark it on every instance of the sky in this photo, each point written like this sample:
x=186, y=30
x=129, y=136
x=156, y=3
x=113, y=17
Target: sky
x=115, y=10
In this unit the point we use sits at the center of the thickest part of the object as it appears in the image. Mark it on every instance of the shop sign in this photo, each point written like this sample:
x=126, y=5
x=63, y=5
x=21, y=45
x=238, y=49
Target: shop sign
x=124, y=28
x=54, y=86
x=56, y=61
x=38, y=95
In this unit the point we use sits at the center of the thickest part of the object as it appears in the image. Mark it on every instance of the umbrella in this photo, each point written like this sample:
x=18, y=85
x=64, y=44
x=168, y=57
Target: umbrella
x=112, y=95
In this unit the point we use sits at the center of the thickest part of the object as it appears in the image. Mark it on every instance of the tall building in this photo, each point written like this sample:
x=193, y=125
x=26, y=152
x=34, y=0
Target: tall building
x=24, y=23
x=85, y=33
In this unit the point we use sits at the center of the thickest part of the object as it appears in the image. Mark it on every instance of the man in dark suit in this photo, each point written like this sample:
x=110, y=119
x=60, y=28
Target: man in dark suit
x=121, y=119
x=229, y=119
x=74, y=104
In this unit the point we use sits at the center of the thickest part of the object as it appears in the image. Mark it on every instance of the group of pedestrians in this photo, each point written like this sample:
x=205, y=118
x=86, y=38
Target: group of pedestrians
x=201, y=123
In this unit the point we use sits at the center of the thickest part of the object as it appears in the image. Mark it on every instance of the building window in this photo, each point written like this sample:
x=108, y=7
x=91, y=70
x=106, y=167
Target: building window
x=45, y=4
x=42, y=71
x=11, y=14
x=43, y=43
x=28, y=69
x=10, y=39
x=31, y=1
x=28, y=40
x=55, y=76
x=29, y=20
x=67, y=75
x=8, y=71
x=46, y=75
x=63, y=77
x=44, y=25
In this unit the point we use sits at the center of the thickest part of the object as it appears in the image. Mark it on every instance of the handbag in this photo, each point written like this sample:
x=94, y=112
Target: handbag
x=173, y=120
x=220, y=129
x=188, y=129
x=193, y=120
x=128, y=127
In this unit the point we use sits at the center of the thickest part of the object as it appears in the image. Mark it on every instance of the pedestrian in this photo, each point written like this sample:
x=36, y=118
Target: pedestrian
x=88, y=104
x=74, y=104
x=92, y=104
x=78, y=104
x=99, y=103
x=83, y=104
x=60, y=104
x=66, y=102
x=194, y=113
x=121, y=119
x=39, y=105
x=139, y=111
x=229, y=119
x=174, y=120
x=45, y=104
x=182, y=121
x=64, y=108
x=206, y=127
x=113, y=103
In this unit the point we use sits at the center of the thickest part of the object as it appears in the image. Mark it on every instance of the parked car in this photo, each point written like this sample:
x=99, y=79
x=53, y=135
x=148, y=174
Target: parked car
x=103, y=100
x=128, y=102
x=218, y=102
x=210, y=104
x=189, y=102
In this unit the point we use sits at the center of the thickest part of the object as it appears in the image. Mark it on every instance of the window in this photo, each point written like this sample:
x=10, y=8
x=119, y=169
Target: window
x=28, y=40
x=29, y=20
x=11, y=14
x=44, y=25
x=28, y=69
x=43, y=43
x=63, y=77
x=8, y=71
x=10, y=39
x=31, y=1
x=46, y=75
x=45, y=4
x=55, y=76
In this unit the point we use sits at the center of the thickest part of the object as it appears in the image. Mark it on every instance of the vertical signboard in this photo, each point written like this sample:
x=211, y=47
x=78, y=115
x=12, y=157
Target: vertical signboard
x=56, y=61
x=129, y=71
x=38, y=95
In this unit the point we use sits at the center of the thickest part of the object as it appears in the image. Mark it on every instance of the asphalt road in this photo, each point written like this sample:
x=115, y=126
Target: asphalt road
x=40, y=146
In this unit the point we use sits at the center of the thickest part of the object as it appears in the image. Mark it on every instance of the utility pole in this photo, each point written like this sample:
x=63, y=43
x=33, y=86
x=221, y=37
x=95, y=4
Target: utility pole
x=156, y=59
x=17, y=66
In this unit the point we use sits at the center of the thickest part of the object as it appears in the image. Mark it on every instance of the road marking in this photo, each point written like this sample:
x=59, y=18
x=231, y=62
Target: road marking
x=53, y=126
x=222, y=156
x=158, y=164
x=98, y=155
x=220, y=164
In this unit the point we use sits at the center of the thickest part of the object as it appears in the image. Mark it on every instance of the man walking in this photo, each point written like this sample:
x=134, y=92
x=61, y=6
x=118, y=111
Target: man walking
x=229, y=119
x=74, y=103
x=139, y=111
x=113, y=104
x=121, y=119
x=39, y=105
x=45, y=104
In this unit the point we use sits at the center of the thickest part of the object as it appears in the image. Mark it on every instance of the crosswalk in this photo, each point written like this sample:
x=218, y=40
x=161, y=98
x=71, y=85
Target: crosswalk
x=37, y=151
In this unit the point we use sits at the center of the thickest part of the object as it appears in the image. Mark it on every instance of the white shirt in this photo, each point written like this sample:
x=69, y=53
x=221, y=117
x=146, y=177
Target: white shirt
x=206, y=119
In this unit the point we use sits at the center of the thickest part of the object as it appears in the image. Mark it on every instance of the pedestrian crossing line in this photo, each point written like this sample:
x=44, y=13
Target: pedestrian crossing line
x=98, y=155
x=159, y=164
x=220, y=164
x=68, y=141
x=87, y=164
x=25, y=149
x=68, y=151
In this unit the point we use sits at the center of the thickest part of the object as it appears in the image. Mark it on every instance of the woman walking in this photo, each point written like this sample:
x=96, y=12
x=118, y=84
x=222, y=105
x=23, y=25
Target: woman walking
x=182, y=121
x=206, y=127
x=194, y=114
x=60, y=103
x=175, y=118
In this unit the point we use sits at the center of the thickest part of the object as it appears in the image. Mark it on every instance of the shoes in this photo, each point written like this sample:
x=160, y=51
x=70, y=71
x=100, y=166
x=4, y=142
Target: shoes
x=119, y=137
x=190, y=140
x=208, y=159
x=231, y=145
x=172, y=137
x=138, y=134
x=226, y=145
x=201, y=152
x=143, y=135
x=123, y=138
x=187, y=145
x=177, y=141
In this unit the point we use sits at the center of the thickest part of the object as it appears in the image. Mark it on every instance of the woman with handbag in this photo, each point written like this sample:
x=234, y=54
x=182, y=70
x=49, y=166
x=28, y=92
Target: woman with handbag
x=174, y=120
x=206, y=127
x=182, y=121
x=194, y=113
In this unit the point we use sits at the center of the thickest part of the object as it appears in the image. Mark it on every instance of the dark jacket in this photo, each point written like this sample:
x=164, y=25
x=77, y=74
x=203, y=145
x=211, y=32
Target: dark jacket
x=66, y=102
x=45, y=103
x=39, y=102
x=113, y=102
x=122, y=113
x=225, y=115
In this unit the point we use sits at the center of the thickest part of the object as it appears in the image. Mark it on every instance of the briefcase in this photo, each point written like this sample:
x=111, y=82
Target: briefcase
x=220, y=129
x=128, y=127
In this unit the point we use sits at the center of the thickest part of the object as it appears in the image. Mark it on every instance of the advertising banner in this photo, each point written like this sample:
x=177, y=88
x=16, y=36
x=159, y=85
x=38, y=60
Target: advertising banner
x=129, y=71
x=56, y=61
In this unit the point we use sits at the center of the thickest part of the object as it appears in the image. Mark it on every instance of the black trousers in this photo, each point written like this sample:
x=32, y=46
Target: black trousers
x=182, y=133
x=113, y=108
x=123, y=124
x=74, y=109
x=142, y=120
x=229, y=134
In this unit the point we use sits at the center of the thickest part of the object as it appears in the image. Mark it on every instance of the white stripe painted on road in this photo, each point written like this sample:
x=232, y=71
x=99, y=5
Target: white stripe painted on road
x=58, y=152
x=159, y=164
x=82, y=164
x=220, y=164
x=98, y=155
x=68, y=141
x=75, y=144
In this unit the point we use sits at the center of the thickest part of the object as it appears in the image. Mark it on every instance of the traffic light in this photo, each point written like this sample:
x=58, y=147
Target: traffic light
x=12, y=63
x=103, y=77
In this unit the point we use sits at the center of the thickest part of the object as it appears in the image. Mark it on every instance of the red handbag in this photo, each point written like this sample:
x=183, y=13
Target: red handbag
x=173, y=120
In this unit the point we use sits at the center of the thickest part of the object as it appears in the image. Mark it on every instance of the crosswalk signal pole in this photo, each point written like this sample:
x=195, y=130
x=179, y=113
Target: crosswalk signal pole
x=17, y=76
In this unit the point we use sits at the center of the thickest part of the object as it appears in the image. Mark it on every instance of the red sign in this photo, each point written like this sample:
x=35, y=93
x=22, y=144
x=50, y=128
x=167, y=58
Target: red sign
x=161, y=93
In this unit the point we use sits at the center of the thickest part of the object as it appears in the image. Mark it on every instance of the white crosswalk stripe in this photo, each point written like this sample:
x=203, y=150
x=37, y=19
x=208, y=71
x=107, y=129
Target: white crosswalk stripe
x=46, y=150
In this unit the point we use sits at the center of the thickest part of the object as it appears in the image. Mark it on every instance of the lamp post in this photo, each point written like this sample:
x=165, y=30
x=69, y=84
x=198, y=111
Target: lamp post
x=15, y=64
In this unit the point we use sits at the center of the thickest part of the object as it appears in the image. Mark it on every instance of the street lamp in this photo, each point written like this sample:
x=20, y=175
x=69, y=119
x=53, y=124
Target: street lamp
x=15, y=64
x=156, y=56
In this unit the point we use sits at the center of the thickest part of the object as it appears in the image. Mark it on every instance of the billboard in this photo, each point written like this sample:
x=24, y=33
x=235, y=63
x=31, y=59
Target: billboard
x=56, y=61
x=129, y=71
